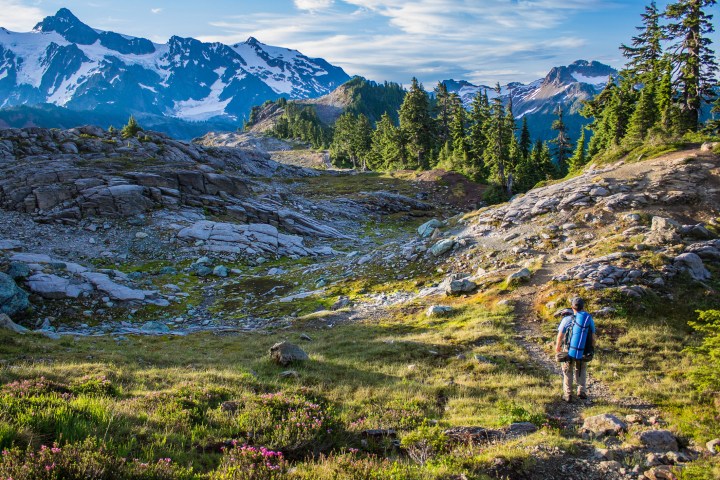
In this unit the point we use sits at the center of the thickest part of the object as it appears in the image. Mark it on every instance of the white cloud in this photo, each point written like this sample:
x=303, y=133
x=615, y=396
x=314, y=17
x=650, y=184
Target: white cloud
x=313, y=5
x=156, y=10
x=480, y=40
x=16, y=16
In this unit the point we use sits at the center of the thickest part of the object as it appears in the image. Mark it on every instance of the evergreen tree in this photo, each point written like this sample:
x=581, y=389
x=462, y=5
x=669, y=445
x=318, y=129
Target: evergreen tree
x=131, y=129
x=525, y=140
x=443, y=111
x=645, y=115
x=562, y=142
x=645, y=51
x=497, y=154
x=416, y=126
x=579, y=158
x=689, y=28
x=477, y=140
x=386, y=151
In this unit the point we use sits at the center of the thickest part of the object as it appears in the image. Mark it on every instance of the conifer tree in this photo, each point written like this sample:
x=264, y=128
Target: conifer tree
x=386, y=151
x=477, y=141
x=645, y=51
x=131, y=129
x=443, y=111
x=579, y=158
x=416, y=126
x=689, y=28
x=525, y=140
x=498, y=135
x=562, y=142
x=645, y=115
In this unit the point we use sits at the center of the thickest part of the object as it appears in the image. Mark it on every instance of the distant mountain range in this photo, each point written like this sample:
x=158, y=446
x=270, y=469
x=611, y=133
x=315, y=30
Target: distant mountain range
x=563, y=86
x=65, y=63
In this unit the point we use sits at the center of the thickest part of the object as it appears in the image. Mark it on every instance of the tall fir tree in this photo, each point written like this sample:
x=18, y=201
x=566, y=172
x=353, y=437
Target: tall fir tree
x=689, y=26
x=386, y=150
x=443, y=111
x=645, y=116
x=646, y=50
x=579, y=158
x=562, y=142
x=477, y=141
x=525, y=140
x=416, y=126
x=498, y=134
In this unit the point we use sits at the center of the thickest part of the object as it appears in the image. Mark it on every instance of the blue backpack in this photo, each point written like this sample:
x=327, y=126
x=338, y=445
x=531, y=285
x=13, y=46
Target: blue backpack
x=577, y=337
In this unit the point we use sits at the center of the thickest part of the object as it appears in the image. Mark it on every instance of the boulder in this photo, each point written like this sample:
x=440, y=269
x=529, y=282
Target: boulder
x=663, y=230
x=605, y=424
x=7, y=324
x=463, y=285
x=661, y=472
x=155, y=328
x=442, y=247
x=18, y=270
x=693, y=264
x=54, y=287
x=438, y=311
x=520, y=276
x=659, y=440
x=285, y=353
x=13, y=300
x=221, y=271
x=427, y=228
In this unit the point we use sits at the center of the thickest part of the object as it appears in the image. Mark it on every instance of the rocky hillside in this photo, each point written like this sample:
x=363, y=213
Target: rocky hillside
x=417, y=333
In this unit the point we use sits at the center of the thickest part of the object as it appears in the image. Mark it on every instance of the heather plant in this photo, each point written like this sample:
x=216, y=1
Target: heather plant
x=288, y=421
x=245, y=462
x=88, y=460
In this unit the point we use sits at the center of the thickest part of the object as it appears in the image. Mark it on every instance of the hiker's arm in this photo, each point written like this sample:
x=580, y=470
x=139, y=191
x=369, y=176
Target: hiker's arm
x=558, y=343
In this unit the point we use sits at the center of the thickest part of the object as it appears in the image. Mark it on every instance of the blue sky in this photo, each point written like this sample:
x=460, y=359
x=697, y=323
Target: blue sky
x=482, y=41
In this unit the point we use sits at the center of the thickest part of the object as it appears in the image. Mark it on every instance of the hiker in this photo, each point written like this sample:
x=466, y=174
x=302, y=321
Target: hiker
x=575, y=347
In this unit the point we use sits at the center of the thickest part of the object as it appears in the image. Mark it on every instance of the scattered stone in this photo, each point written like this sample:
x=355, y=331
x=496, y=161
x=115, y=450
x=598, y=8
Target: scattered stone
x=610, y=466
x=306, y=337
x=713, y=446
x=520, y=276
x=521, y=429
x=605, y=424
x=289, y=374
x=662, y=472
x=221, y=271
x=18, y=270
x=460, y=286
x=693, y=264
x=13, y=300
x=341, y=302
x=155, y=328
x=285, y=353
x=659, y=440
x=634, y=418
x=442, y=247
x=426, y=229
x=438, y=311
x=7, y=324
x=168, y=271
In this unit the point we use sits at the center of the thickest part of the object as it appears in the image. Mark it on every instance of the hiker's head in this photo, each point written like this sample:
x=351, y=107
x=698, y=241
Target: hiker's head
x=577, y=304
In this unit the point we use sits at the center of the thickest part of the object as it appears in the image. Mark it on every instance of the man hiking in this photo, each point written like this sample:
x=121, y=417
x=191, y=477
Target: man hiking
x=575, y=341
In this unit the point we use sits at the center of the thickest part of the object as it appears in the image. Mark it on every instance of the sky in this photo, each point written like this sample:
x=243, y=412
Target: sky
x=481, y=41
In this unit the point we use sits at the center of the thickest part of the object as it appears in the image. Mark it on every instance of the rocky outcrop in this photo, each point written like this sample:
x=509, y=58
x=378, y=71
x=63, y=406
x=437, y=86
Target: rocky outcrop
x=285, y=353
x=249, y=240
x=605, y=424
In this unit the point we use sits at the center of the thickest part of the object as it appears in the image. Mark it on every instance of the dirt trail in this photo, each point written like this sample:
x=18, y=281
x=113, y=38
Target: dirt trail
x=530, y=337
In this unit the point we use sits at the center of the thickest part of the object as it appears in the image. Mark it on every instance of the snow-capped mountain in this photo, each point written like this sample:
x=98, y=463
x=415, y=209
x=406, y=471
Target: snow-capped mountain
x=69, y=64
x=562, y=86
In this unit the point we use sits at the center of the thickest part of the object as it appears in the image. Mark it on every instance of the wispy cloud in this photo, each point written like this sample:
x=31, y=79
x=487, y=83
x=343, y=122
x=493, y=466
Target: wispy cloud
x=156, y=10
x=16, y=16
x=431, y=39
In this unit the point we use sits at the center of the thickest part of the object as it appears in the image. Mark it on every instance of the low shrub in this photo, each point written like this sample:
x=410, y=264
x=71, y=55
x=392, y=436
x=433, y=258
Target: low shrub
x=245, y=462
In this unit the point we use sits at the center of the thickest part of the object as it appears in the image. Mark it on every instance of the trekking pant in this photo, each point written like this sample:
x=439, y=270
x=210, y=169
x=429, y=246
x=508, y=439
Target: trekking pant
x=574, y=369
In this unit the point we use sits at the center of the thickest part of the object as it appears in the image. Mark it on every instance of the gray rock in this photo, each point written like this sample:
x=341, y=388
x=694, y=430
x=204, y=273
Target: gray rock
x=460, y=286
x=168, y=271
x=522, y=275
x=693, y=264
x=442, y=247
x=13, y=300
x=54, y=287
x=200, y=270
x=7, y=324
x=156, y=328
x=521, y=428
x=713, y=446
x=604, y=424
x=659, y=440
x=285, y=353
x=220, y=271
x=426, y=229
x=438, y=311
x=18, y=270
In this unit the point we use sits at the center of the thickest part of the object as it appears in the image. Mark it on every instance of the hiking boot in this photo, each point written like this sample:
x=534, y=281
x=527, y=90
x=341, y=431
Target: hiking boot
x=567, y=398
x=582, y=396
